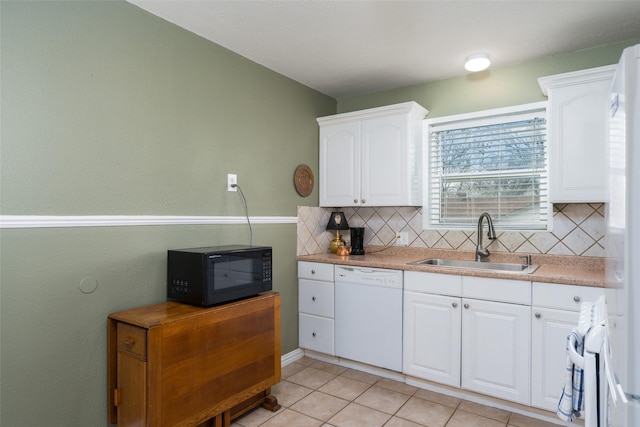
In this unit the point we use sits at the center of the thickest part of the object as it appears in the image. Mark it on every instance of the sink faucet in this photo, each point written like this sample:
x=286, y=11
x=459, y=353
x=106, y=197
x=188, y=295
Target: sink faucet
x=481, y=252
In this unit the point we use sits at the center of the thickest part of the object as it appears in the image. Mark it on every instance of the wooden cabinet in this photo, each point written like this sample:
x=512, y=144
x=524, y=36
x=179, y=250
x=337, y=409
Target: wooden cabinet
x=372, y=157
x=577, y=129
x=555, y=312
x=174, y=364
x=469, y=332
x=316, y=307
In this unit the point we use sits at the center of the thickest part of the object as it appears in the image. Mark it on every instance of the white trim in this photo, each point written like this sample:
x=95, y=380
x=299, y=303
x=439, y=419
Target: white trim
x=291, y=357
x=485, y=116
x=576, y=78
x=49, y=221
x=410, y=107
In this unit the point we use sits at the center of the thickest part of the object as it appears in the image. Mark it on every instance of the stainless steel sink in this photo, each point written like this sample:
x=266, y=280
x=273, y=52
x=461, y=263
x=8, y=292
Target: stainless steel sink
x=476, y=265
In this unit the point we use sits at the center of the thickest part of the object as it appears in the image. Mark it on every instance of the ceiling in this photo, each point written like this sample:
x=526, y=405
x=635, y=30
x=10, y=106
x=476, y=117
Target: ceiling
x=345, y=48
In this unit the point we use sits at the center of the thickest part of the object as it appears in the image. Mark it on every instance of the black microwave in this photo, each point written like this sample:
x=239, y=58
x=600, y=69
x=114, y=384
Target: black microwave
x=218, y=274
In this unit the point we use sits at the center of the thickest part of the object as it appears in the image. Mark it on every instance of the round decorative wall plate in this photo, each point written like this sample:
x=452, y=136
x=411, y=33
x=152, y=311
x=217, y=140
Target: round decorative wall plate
x=303, y=180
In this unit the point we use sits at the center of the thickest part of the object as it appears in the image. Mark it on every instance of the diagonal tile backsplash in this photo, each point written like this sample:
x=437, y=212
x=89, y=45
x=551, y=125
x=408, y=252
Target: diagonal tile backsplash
x=578, y=229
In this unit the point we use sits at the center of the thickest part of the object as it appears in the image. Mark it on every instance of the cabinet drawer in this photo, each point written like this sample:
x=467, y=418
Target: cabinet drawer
x=315, y=271
x=316, y=333
x=500, y=290
x=563, y=297
x=433, y=283
x=315, y=297
x=132, y=339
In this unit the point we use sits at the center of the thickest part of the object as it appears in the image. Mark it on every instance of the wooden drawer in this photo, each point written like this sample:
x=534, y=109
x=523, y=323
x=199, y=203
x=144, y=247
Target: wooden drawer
x=315, y=297
x=315, y=271
x=132, y=339
x=563, y=297
x=316, y=333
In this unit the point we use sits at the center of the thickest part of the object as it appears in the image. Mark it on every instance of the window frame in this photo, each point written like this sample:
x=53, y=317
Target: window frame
x=479, y=119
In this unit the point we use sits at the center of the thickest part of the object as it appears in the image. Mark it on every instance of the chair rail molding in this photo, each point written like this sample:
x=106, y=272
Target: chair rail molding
x=52, y=221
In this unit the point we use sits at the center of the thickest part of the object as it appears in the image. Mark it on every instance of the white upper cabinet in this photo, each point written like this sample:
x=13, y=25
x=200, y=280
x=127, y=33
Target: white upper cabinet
x=372, y=157
x=577, y=125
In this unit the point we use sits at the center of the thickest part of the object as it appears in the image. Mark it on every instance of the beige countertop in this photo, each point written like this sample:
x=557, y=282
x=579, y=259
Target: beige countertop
x=570, y=270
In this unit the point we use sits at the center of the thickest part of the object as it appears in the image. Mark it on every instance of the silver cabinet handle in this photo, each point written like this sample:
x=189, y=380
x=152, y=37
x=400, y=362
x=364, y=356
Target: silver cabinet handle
x=466, y=306
x=313, y=298
x=576, y=298
x=314, y=334
x=454, y=304
x=313, y=272
x=538, y=315
x=364, y=201
x=355, y=201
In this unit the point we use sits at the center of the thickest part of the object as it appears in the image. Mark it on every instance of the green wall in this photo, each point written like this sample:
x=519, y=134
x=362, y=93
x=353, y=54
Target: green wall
x=108, y=110
x=494, y=88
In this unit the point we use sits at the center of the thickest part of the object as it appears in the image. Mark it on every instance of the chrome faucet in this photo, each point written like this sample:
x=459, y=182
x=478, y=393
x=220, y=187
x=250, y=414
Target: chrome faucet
x=481, y=252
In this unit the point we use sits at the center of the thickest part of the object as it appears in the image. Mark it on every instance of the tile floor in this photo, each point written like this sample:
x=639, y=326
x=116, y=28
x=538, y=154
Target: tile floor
x=314, y=393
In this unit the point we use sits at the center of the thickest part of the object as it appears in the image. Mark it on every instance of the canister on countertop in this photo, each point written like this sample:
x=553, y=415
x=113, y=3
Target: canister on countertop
x=357, y=240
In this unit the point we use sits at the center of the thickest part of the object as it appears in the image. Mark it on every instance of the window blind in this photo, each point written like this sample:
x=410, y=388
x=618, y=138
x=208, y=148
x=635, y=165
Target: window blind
x=495, y=164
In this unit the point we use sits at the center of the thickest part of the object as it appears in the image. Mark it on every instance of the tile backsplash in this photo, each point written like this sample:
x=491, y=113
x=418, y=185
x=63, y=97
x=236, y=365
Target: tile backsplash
x=578, y=229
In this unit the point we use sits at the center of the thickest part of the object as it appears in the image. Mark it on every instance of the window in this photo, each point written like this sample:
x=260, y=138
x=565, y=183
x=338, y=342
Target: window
x=492, y=161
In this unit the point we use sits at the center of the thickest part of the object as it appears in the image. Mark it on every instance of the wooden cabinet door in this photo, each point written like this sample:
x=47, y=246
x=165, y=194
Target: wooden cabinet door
x=384, y=161
x=132, y=391
x=339, y=176
x=432, y=325
x=496, y=349
x=548, y=362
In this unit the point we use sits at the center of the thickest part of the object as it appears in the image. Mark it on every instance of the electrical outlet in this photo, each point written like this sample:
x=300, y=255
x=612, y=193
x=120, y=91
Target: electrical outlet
x=232, y=181
x=402, y=238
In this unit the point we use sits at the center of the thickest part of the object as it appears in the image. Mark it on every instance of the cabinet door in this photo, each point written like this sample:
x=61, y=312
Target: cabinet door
x=496, y=349
x=339, y=176
x=549, y=337
x=577, y=145
x=132, y=390
x=432, y=337
x=384, y=161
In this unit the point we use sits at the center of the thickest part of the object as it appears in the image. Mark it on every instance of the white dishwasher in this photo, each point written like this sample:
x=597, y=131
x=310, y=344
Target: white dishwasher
x=368, y=315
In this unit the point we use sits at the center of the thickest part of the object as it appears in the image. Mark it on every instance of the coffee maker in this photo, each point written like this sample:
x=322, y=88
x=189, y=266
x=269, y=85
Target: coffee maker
x=357, y=240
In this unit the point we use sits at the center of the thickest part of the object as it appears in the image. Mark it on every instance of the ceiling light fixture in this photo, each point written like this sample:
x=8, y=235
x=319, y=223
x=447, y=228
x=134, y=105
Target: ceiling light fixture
x=477, y=62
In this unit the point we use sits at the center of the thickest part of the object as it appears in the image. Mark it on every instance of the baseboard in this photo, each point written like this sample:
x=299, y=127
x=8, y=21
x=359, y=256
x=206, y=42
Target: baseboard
x=292, y=356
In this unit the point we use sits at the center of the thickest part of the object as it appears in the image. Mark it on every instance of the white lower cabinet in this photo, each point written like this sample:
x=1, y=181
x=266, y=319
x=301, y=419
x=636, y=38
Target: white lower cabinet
x=476, y=344
x=316, y=333
x=555, y=312
x=316, y=307
x=432, y=353
x=502, y=338
x=496, y=349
